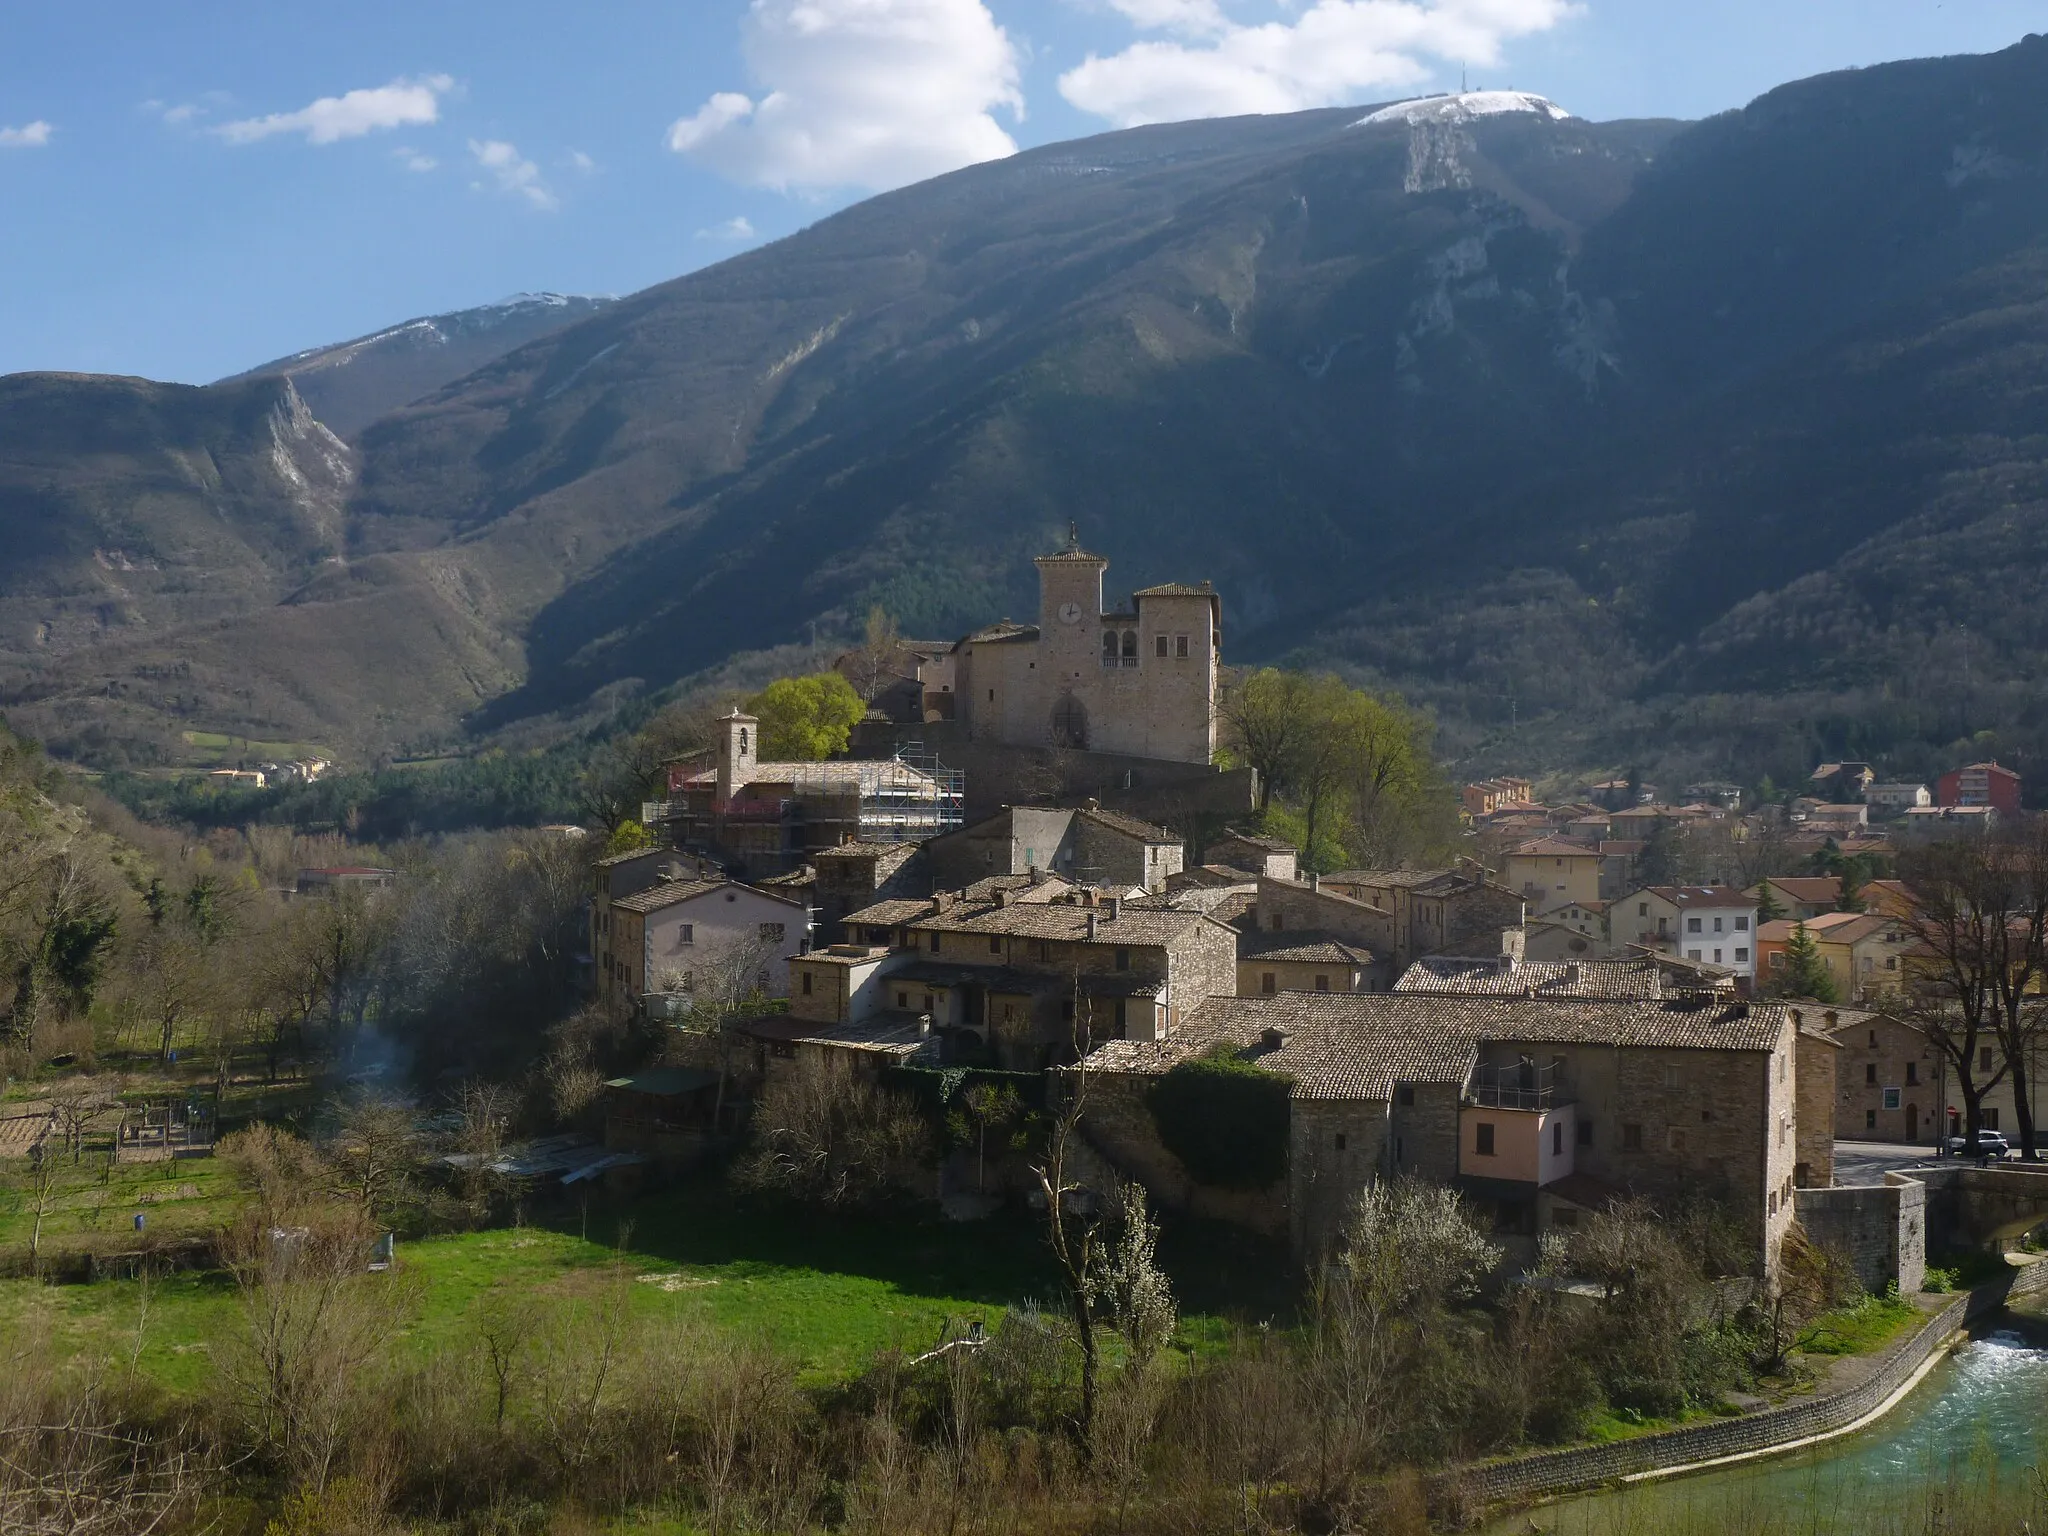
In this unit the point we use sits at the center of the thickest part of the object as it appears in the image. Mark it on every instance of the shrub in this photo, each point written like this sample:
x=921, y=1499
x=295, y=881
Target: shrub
x=1225, y=1119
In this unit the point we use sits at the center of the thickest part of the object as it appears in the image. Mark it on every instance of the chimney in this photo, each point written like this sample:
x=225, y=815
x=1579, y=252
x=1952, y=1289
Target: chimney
x=1091, y=925
x=1112, y=905
x=1087, y=895
x=1315, y=881
x=1091, y=804
x=1272, y=1037
x=1002, y=897
x=1571, y=973
x=1513, y=945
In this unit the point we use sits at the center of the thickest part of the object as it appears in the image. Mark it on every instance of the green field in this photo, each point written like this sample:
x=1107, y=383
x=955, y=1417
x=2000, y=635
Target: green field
x=830, y=1292
x=213, y=748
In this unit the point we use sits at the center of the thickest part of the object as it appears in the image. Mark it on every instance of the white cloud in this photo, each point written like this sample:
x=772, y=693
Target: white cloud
x=402, y=103
x=182, y=113
x=1325, y=55
x=581, y=163
x=860, y=93
x=415, y=160
x=739, y=227
x=28, y=136
x=513, y=173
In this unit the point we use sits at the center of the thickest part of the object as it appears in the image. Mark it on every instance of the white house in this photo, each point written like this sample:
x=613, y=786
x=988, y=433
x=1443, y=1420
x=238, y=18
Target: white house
x=682, y=936
x=1711, y=923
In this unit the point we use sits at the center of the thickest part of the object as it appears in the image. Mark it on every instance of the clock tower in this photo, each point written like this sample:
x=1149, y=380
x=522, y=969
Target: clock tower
x=1069, y=622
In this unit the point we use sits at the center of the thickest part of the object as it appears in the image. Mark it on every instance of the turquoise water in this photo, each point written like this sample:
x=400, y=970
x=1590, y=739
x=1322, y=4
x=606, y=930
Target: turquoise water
x=1977, y=1423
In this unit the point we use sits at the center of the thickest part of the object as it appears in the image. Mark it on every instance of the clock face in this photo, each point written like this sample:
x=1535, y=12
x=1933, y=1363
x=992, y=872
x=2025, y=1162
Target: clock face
x=1070, y=613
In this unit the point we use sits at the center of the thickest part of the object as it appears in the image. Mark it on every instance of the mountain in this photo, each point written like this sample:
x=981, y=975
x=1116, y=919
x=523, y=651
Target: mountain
x=1686, y=447
x=350, y=385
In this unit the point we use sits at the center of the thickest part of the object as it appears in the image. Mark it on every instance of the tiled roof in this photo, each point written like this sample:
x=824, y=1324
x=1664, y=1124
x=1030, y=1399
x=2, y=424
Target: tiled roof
x=656, y=897
x=1066, y=921
x=1357, y=1044
x=1002, y=633
x=1807, y=888
x=890, y=914
x=1387, y=878
x=1300, y=947
x=892, y=1034
x=1177, y=589
x=864, y=850
x=1130, y=826
x=1701, y=895
x=1255, y=840
x=1533, y=978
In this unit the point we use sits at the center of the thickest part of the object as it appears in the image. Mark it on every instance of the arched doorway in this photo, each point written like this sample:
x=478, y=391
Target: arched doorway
x=1069, y=723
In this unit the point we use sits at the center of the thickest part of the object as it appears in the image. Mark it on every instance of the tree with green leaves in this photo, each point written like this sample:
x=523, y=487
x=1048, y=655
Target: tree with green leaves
x=1768, y=909
x=1806, y=972
x=806, y=719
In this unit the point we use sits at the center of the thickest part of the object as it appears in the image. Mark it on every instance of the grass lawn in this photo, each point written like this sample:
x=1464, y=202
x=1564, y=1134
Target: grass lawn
x=1860, y=1328
x=830, y=1291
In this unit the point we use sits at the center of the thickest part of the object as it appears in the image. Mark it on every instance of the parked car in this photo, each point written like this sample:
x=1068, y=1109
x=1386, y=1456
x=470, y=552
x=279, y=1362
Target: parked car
x=1979, y=1144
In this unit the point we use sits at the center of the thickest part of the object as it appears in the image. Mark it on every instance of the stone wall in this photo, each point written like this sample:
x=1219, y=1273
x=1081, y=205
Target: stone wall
x=1881, y=1227
x=1553, y=1472
x=1815, y=1065
x=1334, y=1150
x=1119, y=1126
x=1301, y=908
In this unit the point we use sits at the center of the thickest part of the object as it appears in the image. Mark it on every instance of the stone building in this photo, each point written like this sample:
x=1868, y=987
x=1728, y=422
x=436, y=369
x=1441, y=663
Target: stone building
x=1139, y=681
x=1090, y=846
x=856, y=875
x=1028, y=969
x=1536, y=1109
x=1272, y=857
x=1433, y=911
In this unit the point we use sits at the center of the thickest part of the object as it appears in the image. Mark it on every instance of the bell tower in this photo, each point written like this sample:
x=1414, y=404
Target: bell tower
x=1069, y=614
x=739, y=743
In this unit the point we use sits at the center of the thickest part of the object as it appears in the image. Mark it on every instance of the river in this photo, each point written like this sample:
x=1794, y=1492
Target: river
x=1976, y=1424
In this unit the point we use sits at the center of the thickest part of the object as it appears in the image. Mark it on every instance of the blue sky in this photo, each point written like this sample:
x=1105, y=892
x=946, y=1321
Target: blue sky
x=187, y=190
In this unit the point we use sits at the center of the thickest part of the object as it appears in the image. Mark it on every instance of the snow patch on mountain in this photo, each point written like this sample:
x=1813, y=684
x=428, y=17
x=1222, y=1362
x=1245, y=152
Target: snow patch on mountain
x=1463, y=107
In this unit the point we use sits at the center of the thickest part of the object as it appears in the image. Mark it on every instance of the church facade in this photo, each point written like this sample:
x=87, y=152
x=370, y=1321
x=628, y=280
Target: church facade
x=1139, y=680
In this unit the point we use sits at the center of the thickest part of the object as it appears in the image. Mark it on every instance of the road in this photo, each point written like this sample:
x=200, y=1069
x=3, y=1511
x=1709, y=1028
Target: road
x=1867, y=1162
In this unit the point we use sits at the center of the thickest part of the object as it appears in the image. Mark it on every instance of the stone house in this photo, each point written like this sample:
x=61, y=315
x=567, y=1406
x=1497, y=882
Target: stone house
x=1271, y=857
x=1888, y=1086
x=1090, y=846
x=1714, y=924
x=1302, y=962
x=1551, y=872
x=673, y=939
x=856, y=875
x=1433, y=911
x=1029, y=975
x=1536, y=1109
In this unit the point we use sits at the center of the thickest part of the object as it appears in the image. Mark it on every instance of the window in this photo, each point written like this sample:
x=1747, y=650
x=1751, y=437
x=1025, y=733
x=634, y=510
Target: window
x=1180, y=646
x=1121, y=1015
x=902, y=999
x=687, y=934
x=1585, y=1133
x=1109, y=647
x=1873, y=1039
x=1340, y=1141
x=1870, y=1072
x=1777, y=959
x=1870, y=1119
x=1912, y=1073
x=1123, y=959
x=1276, y=922
x=1774, y=1202
x=1692, y=925
x=772, y=932
x=1891, y=1098
x=807, y=983
x=1159, y=647
x=995, y=944
x=1717, y=957
x=935, y=943
x=991, y=695
x=1405, y=1095
x=1674, y=1079
x=1717, y=925
x=1322, y=983
x=1692, y=954
x=1267, y=985
x=1742, y=924
x=1485, y=1143
x=1631, y=1138
x=1642, y=909
x=1891, y=962
x=1130, y=647
x=1741, y=956
x=1557, y=1138
x=1983, y=1058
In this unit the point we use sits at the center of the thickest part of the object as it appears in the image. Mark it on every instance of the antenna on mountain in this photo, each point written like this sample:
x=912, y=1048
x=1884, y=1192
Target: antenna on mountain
x=1462, y=86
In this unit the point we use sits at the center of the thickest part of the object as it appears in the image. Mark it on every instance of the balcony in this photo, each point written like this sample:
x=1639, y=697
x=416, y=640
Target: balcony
x=1525, y=1085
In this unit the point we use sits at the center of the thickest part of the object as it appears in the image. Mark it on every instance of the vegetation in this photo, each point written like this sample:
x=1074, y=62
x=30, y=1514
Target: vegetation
x=1225, y=1118
x=1806, y=972
x=1347, y=777
x=804, y=719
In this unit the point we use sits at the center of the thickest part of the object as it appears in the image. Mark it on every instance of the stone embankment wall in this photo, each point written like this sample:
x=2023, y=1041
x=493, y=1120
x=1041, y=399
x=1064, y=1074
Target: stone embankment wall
x=1881, y=1227
x=1552, y=1472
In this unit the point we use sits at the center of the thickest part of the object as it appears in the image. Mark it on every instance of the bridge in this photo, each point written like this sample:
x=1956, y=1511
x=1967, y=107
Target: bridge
x=1887, y=1229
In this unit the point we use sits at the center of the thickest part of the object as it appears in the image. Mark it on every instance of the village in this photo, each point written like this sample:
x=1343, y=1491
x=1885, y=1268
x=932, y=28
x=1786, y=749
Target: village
x=1590, y=1006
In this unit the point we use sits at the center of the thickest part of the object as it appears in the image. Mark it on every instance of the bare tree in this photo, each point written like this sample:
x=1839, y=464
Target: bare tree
x=827, y=1134
x=1978, y=913
x=875, y=662
x=1073, y=1221
x=375, y=1153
